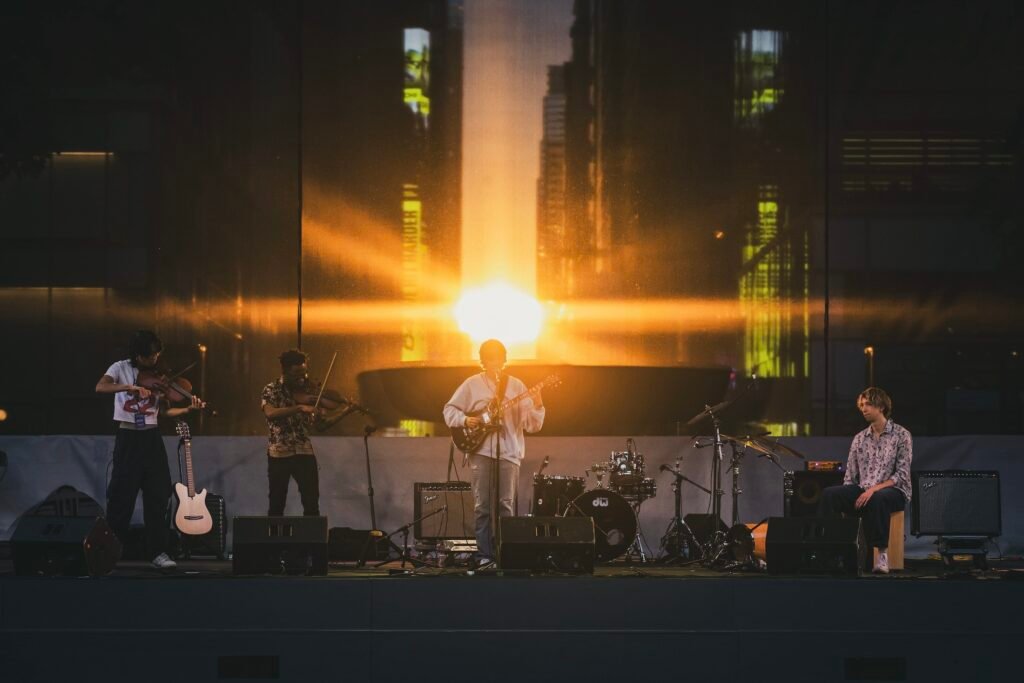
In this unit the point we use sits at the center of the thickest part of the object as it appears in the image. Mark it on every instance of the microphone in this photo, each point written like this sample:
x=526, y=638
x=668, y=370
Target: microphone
x=369, y=429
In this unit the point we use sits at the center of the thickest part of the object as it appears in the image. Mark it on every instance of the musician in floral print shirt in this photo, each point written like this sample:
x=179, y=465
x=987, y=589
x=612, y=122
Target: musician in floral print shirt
x=877, y=481
x=289, y=450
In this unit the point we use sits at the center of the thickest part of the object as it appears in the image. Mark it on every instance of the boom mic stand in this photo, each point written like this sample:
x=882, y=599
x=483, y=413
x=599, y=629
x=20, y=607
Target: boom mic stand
x=679, y=534
x=404, y=530
x=376, y=534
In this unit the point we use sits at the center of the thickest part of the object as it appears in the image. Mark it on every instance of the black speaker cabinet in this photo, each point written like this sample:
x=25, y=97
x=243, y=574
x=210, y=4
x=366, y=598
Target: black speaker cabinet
x=64, y=546
x=457, y=522
x=67, y=501
x=560, y=544
x=808, y=545
x=801, y=491
x=956, y=503
x=280, y=545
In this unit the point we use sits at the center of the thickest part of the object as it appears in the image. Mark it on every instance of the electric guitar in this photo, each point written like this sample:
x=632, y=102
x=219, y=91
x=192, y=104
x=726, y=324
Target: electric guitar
x=469, y=439
x=193, y=517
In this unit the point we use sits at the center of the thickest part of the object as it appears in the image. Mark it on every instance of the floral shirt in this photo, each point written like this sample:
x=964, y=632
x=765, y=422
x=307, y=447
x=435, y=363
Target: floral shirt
x=289, y=435
x=874, y=459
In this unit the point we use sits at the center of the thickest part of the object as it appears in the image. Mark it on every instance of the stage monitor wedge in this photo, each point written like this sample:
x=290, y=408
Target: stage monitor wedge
x=808, y=545
x=548, y=544
x=280, y=545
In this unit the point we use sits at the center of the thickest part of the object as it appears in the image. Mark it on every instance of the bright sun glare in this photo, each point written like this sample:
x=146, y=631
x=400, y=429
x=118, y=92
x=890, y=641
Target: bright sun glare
x=498, y=311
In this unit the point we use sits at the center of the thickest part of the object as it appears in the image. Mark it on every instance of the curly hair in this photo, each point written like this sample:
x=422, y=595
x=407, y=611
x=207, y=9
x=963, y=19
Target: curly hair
x=291, y=358
x=878, y=398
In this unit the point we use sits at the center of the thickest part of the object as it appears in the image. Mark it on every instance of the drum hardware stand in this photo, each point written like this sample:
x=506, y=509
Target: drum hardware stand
x=636, y=549
x=547, y=459
x=678, y=528
x=717, y=542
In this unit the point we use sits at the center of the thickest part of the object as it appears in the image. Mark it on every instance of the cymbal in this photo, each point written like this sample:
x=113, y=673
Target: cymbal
x=788, y=450
x=768, y=447
x=707, y=411
x=751, y=442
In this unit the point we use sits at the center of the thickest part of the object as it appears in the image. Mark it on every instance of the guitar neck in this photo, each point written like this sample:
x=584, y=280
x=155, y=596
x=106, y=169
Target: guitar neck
x=516, y=399
x=188, y=469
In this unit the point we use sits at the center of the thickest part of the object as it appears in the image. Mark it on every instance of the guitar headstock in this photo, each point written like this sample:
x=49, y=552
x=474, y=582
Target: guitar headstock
x=181, y=427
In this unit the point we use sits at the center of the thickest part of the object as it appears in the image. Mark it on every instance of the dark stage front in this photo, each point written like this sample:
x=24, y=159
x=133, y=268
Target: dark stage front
x=621, y=624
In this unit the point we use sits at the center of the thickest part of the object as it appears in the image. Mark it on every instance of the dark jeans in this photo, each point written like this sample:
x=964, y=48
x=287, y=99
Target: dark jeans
x=140, y=462
x=304, y=470
x=836, y=500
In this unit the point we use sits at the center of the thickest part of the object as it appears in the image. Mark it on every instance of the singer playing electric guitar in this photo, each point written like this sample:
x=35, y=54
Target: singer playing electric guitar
x=504, y=437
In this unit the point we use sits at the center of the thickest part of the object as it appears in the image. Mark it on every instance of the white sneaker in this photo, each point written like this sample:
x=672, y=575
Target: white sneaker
x=162, y=561
x=882, y=562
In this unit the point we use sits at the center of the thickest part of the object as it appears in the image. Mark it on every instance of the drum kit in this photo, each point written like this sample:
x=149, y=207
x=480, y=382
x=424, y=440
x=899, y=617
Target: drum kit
x=615, y=508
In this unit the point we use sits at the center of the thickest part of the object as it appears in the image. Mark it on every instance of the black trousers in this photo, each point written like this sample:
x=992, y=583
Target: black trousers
x=836, y=500
x=304, y=470
x=140, y=462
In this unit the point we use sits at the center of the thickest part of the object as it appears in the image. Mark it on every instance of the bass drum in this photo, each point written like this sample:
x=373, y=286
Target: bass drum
x=615, y=524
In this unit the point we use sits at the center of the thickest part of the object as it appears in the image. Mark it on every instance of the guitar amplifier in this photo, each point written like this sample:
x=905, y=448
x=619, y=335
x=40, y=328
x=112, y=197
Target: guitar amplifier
x=214, y=542
x=280, y=545
x=457, y=522
x=956, y=503
x=802, y=489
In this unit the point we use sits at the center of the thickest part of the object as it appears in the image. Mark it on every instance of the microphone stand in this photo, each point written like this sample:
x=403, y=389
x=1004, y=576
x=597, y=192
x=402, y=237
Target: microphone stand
x=678, y=528
x=376, y=534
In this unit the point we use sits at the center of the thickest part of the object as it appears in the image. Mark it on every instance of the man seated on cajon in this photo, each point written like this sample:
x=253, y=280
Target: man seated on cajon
x=877, y=481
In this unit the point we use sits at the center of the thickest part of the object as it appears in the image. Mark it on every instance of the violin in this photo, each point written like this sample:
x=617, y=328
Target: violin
x=333, y=406
x=175, y=390
x=309, y=391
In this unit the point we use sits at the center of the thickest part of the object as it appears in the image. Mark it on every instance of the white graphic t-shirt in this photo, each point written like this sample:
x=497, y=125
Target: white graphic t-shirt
x=126, y=405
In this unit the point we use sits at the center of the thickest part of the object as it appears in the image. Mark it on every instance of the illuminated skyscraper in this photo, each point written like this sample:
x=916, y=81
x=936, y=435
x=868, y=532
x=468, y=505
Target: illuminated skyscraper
x=553, y=275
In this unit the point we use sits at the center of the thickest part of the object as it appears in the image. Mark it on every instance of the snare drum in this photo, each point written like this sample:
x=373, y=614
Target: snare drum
x=552, y=494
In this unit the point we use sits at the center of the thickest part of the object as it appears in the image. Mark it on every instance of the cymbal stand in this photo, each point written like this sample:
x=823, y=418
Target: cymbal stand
x=734, y=468
x=718, y=542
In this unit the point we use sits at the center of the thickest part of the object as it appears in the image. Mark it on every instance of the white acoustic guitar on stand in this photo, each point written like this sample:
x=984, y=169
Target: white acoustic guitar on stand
x=193, y=517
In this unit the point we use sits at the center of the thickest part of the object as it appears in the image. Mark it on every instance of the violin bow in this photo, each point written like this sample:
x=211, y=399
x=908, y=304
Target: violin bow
x=323, y=385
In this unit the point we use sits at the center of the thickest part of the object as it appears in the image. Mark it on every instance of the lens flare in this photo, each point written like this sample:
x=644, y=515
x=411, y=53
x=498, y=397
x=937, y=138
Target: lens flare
x=498, y=311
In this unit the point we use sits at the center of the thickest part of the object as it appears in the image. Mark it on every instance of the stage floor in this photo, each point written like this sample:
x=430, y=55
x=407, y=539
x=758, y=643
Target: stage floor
x=381, y=624
x=930, y=569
